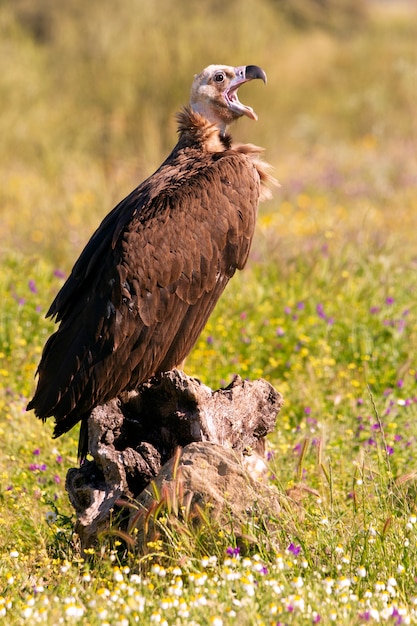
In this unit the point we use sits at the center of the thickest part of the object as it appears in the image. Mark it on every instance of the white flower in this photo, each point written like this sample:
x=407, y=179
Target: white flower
x=73, y=610
x=50, y=517
x=298, y=582
x=117, y=575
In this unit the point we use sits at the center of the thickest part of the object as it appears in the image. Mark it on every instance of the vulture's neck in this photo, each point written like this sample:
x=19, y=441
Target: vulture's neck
x=196, y=130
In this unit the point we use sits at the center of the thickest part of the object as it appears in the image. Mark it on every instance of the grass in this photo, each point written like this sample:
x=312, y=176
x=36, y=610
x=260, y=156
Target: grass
x=325, y=311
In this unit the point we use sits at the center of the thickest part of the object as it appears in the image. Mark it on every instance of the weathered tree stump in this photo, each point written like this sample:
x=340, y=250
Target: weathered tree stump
x=133, y=440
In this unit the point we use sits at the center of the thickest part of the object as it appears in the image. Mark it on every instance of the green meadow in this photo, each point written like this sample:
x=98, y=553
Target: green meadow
x=325, y=309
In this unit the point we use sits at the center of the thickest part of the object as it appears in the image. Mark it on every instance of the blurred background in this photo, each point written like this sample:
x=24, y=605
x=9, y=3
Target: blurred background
x=89, y=92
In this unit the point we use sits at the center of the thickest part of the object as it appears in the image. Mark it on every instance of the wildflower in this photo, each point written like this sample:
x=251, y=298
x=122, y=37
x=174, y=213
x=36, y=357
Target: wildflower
x=391, y=584
x=50, y=517
x=361, y=571
x=295, y=550
x=296, y=602
x=233, y=551
x=72, y=610
x=273, y=609
x=343, y=582
x=158, y=570
x=27, y=611
x=135, y=579
x=117, y=575
x=328, y=585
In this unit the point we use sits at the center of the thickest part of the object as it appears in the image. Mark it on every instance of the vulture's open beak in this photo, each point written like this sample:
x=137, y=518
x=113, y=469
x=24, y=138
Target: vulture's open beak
x=243, y=74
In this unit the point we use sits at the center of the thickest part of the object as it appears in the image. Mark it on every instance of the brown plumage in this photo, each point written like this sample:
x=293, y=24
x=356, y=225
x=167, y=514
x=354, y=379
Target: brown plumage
x=144, y=286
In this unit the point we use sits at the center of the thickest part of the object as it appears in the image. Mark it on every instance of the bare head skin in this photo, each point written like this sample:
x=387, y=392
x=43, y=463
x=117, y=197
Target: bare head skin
x=214, y=93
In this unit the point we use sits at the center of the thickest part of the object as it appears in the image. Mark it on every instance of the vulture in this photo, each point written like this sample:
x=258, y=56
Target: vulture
x=145, y=284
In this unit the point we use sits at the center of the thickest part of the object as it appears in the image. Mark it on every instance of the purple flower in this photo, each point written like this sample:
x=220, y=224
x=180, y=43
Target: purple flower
x=400, y=383
x=307, y=410
x=389, y=450
x=374, y=309
x=57, y=479
x=320, y=311
x=34, y=467
x=389, y=300
x=322, y=315
x=300, y=306
x=210, y=340
x=233, y=551
x=36, y=452
x=32, y=286
x=59, y=459
x=59, y=273
x=295, y=550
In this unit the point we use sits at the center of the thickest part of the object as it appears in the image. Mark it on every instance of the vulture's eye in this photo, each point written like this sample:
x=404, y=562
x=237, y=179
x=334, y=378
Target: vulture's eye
x=219, y=77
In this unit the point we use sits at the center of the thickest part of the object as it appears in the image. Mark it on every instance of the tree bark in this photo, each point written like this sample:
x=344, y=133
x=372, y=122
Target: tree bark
x=132, y=440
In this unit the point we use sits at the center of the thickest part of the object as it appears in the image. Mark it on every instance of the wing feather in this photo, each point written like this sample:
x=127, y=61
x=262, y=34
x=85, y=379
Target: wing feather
x=144, y=286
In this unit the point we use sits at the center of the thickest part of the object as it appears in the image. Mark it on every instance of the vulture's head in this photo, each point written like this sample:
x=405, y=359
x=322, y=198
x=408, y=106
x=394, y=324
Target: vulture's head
x=214, y=93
